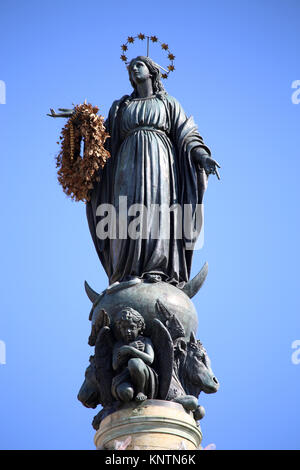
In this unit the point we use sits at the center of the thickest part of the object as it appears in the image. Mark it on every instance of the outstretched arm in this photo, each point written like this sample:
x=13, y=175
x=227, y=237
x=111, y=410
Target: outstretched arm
x=66, y=113
x=185, y=134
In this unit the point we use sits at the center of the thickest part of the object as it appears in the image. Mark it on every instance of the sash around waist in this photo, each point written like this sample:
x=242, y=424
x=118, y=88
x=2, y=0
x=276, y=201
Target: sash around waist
x=144, y=128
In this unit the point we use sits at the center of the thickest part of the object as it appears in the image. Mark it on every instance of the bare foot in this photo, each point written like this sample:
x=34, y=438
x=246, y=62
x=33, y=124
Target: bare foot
x=140, y=397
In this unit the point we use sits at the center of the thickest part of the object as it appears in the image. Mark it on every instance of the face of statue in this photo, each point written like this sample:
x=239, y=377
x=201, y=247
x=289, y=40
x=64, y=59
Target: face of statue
x=139, y=72
x=129, y=330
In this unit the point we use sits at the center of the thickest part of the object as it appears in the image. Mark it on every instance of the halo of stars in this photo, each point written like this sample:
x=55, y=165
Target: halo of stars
x=153, y=39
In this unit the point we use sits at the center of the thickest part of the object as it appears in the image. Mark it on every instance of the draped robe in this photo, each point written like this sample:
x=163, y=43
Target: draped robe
x=151, y=141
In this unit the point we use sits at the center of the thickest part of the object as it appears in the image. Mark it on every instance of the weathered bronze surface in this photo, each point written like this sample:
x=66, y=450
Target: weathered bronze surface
x=157, y=158
x=143, y=323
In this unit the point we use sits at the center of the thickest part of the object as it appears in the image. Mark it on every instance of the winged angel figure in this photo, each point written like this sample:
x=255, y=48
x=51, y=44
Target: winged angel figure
x=127, y=365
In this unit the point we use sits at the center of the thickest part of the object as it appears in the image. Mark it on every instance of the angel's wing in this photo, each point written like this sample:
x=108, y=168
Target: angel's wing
x=101, y=321
x=103, y=363
x=163, y=356
x=171, y=322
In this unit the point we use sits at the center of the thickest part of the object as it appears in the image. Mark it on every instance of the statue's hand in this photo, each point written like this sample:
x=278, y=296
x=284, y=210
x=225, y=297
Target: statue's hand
x=139, y=345
x=66, y=113
x=209, y=165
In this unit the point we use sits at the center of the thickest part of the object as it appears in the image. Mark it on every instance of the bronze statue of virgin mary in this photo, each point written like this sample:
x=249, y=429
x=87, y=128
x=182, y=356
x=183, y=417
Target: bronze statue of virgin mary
x=136, y=210
x=158, y=159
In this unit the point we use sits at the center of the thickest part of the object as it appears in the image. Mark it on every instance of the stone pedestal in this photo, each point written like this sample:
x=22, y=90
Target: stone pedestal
x=152, y=425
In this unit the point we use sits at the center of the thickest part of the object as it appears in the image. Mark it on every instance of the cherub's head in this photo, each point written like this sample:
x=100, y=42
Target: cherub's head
x=129, y=324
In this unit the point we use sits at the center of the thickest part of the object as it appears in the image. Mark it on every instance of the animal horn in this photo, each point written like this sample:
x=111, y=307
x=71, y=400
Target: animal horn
x=193, y=338
x=194, y=285
x=92, y=295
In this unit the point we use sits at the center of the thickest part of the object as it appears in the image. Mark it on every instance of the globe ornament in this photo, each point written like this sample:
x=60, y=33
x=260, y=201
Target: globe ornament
x=153, y=39
x=143, y=297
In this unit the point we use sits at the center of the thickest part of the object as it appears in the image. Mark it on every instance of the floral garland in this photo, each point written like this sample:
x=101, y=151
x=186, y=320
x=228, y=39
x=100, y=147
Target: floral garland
x=154, y=39
x=77, y=174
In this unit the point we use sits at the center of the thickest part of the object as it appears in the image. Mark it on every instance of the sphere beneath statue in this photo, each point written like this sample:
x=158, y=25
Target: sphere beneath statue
x=143, y=296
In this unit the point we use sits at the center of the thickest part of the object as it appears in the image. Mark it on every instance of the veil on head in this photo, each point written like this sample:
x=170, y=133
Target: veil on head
x=154, y=71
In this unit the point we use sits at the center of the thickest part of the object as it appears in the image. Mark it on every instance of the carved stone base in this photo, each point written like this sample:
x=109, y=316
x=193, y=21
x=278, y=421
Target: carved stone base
x=152, y=425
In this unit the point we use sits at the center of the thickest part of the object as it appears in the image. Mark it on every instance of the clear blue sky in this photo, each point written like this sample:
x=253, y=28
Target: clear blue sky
x=235, y=64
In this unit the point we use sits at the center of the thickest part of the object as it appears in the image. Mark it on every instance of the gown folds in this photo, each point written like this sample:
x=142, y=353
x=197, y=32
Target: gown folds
x=150, y=169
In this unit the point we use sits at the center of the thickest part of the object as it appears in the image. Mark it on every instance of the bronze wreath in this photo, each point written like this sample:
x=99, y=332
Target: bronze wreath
x=77, y=174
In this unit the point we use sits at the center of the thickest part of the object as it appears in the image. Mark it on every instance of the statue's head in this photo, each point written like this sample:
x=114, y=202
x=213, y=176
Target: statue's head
x=129, y=324
x=141, y=68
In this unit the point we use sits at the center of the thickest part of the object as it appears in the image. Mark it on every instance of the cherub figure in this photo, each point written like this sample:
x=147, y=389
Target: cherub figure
x=131, y=359
x=126, y=365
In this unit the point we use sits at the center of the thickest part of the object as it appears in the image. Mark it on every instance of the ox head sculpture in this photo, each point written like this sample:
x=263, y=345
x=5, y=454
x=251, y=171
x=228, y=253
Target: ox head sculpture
x=198, y=375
